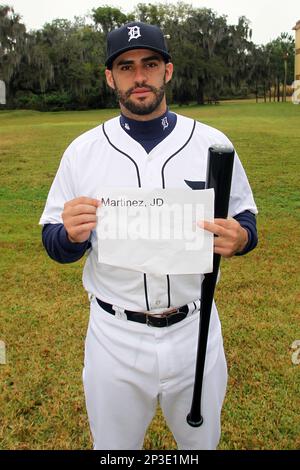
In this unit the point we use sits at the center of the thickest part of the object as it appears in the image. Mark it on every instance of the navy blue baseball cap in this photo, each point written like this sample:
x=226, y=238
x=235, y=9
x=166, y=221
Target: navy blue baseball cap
x=135, y=35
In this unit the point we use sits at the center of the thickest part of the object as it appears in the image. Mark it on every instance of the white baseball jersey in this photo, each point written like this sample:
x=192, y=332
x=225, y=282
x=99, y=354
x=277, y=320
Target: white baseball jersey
x=107, y=156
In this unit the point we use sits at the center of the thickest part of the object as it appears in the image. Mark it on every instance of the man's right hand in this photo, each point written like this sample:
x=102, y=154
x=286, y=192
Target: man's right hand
x=79, y=217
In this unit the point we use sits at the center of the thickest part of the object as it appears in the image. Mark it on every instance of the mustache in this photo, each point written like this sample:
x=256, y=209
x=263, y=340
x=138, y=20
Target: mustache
x=140, y=85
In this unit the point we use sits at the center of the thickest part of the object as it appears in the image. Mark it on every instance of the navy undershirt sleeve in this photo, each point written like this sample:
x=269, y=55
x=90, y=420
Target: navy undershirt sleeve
x=248, y=221
x=59, y=247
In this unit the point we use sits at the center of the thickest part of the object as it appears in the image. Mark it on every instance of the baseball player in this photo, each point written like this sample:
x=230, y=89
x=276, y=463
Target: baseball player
x=141, y=342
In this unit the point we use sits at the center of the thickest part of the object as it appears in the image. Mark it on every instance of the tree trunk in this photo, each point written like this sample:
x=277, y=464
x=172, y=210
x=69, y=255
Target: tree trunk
x=200, y=91
x=278, y=90
x=284, y=83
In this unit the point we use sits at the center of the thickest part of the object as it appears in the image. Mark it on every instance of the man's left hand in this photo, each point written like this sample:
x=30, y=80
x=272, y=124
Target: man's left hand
x=231, y=237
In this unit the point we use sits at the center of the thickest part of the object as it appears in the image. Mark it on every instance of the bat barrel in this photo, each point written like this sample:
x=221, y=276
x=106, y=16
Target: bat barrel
x=218, y=176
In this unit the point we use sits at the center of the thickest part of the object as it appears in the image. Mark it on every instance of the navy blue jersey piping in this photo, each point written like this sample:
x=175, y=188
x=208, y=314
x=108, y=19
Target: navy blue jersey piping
x=125, y=154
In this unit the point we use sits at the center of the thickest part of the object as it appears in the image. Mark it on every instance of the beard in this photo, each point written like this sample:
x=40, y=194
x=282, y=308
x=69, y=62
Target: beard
x=141, y=108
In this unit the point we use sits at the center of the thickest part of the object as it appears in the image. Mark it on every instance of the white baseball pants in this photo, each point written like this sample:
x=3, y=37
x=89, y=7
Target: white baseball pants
x=129, y=367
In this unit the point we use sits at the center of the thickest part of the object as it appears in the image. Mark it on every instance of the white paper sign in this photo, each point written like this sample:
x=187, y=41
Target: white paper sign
x=155, y=230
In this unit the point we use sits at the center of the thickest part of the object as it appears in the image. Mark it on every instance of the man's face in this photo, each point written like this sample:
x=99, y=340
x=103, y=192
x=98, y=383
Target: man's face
x=138, y=78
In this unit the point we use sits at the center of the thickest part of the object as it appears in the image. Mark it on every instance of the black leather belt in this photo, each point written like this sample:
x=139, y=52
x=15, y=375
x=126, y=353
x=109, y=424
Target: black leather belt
x=151, y=320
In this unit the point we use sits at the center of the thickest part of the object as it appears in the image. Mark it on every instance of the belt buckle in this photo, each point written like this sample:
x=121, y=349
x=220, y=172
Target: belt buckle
x=164, y=315
x=170, y=313
x=157, y=318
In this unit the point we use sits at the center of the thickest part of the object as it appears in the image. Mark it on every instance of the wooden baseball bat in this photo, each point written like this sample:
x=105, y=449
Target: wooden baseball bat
x=218, y=176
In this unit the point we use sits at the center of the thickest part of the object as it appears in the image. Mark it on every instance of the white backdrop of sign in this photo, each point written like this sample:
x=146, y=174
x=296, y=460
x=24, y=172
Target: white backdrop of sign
x=155, y=230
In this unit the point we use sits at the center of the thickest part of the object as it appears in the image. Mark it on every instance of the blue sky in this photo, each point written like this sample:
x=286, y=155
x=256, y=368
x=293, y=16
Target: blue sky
x=268, y=17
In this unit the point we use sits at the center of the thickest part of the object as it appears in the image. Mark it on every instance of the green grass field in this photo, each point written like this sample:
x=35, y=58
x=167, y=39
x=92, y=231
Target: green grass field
x=44, y=309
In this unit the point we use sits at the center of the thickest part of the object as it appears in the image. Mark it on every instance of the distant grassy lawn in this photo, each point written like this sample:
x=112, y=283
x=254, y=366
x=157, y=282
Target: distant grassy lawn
x=44, y=311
